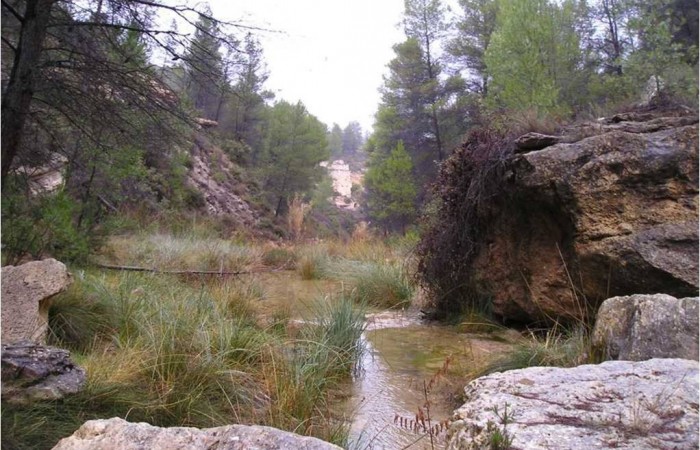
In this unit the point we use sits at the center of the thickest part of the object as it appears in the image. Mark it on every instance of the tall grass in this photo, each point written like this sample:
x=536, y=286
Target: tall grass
x=169, y=353
x=186, y=252
x=327, y=353
x=314, y=263
x=384, y=285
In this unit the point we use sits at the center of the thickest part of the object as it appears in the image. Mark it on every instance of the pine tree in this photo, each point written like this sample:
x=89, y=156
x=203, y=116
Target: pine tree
x=294, y=146
x=421, y=107
x=474, y=31
x=391, y=194
x=533, y=54
x=335, y=141
x=204, y=67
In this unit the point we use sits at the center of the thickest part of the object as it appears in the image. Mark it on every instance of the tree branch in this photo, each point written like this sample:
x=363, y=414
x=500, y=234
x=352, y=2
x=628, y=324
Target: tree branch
x=12, y=11
x=9, y=44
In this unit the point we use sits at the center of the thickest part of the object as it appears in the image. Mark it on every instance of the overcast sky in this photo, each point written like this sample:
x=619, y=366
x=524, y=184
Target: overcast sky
x=330, y=54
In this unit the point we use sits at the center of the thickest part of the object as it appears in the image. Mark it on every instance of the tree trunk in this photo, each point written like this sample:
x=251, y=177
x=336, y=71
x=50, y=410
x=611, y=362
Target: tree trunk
x=18, y=94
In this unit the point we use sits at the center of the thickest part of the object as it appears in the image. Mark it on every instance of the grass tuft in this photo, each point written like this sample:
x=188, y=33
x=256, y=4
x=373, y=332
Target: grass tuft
x=383, y=285
x=558, y=348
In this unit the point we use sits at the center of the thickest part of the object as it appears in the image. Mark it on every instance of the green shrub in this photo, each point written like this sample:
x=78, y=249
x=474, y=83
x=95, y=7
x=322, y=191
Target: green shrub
x=339, y=324
x=314, y=264
x=42, y=226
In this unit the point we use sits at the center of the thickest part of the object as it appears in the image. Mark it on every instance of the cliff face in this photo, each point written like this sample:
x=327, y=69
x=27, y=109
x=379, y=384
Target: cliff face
x=612, y=210
x=212, y=174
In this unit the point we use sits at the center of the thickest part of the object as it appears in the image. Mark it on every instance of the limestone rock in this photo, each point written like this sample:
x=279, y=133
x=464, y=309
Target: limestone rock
x=26, y=293
x=118, y=434
x=640, y=327
x=36, y=372
x=611, y=211
x=618, y=404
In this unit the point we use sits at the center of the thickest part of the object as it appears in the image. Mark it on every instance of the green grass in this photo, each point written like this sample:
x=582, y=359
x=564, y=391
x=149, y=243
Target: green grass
x=557, y=347
x=172, y=354
x=383, y=285
x=184, y=252
x=314, y=263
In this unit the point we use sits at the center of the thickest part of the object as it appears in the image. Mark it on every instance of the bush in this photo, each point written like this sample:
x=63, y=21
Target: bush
x=44, y=225
x=280, y=258
x=314, y=264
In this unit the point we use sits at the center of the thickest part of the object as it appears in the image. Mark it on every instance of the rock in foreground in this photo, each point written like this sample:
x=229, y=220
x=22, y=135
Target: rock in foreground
x=36, y=372
x=640, y=327
x=617, y=404
x=118, y=434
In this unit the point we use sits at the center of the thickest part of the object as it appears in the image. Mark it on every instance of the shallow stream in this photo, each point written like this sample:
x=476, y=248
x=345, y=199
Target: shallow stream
x=404, y=354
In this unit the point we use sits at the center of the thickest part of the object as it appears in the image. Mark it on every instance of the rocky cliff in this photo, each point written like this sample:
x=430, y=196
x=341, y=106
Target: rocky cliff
x=605, y=209
x=213, y=174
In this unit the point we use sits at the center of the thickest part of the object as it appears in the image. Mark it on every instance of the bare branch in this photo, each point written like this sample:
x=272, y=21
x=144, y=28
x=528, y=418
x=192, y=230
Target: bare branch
x=12, y=11
x=9, y=44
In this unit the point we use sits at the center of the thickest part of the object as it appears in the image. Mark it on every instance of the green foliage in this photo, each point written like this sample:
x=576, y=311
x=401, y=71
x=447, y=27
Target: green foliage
x=204, y=65
x=663, y=64
x=79, y=320
x=474, y=30
x=42, y=226
x=280, y=257
x=314, y=264
x=339, y=324
x=352, y=139
x=335, y=141
x=498, y=435
x=391, y=195
x=558, y=348
x=533, y=52
x=295, y=145
x=420, y=105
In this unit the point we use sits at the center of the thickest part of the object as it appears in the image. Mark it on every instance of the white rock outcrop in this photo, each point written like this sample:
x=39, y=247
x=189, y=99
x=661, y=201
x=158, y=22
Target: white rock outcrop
x=617, y=404
x=118, y=434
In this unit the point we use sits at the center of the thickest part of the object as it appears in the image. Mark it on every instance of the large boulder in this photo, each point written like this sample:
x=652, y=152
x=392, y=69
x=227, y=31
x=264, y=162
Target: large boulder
x=32, y=372
x=640, y=327
x=118, y=434
x=26, y=294
x=618, y=404
x=609, y=210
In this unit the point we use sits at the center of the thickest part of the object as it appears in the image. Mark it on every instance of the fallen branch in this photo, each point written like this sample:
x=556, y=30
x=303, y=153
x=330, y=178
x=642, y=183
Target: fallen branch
x=183, y=272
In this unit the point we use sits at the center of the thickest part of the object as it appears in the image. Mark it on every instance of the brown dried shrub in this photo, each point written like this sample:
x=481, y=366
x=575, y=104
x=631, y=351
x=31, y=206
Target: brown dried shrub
x=469, y=183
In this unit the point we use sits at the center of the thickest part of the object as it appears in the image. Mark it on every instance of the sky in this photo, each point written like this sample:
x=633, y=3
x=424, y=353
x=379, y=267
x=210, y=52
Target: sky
x=330, y=54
